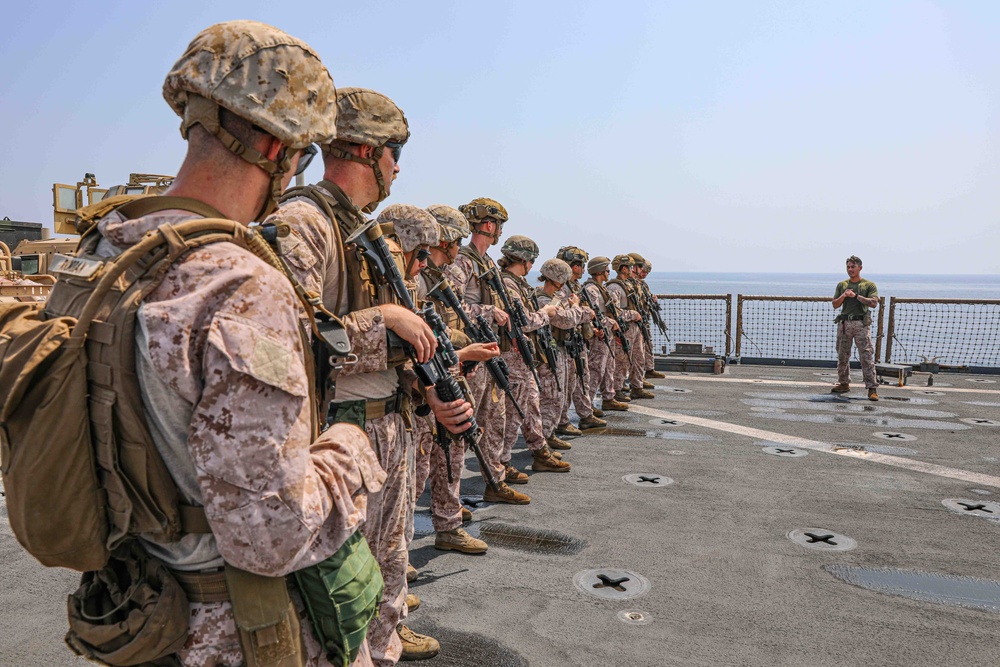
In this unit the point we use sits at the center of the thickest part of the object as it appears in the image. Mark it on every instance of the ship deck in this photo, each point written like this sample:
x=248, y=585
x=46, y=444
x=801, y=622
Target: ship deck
x=697, y=555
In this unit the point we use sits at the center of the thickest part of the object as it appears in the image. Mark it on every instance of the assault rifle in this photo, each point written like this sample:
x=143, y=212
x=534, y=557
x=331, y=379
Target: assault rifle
x=575, y=348
x=599, y=318
x=480, y=332
x=654, y=310
x=639, y=304
x=547, y=342
x=518, y=320
x=620, y=334
x=434, y=373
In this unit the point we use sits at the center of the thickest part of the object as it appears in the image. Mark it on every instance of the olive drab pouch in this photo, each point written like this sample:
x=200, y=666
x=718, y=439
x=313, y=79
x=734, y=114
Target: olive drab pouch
x=130, y=612
x=266, y=619
x=342, y=595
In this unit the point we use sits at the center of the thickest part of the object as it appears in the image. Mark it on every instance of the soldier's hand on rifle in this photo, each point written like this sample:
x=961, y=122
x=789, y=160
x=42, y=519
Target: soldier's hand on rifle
x=451, y=415
x=478, y=352
x=549, y=309
x=410, y=327
x=611, y=323
x=599, y=334
x=500, y=317
x=574, y=300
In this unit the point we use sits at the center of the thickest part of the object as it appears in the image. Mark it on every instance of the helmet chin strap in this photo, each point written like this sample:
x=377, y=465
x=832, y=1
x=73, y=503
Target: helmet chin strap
x=371, y=162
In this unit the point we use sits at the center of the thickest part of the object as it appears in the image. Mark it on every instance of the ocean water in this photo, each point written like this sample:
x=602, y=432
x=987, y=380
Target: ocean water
x=823, y=284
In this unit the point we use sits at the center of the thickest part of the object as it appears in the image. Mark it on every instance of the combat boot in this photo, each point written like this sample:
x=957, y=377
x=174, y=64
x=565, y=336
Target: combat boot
x=622, y=397
x=614, y=405
x=655, y=374
x=466, y=515
x=558, y=455
x=513, y=475
x=873, y=394
x=592, y=422
x=558, y=443
x=411, y=574
x=416, y=646
x=568, y=429
x=544, y=461
x=505, y=495
x=459, y=540
x=412, y=602
x=641, y=393
x=840, y=388
x=648, y=385
x=598, y=413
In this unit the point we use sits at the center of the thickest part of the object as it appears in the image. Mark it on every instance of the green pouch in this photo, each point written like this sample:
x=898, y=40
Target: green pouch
x=342, y=595
x=347, y=412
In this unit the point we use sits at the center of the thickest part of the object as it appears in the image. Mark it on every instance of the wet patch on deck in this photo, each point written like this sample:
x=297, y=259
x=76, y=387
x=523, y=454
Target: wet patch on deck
x=525, y=538
x=467, y=649
x=847, y=406
x=662, y=435
x=969, y=592
x=858, y=420
x=835, y=398
x=878, y=449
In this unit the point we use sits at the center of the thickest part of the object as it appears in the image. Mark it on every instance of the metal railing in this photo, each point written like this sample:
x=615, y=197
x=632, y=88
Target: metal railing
x=704, y=318
x=953, y=332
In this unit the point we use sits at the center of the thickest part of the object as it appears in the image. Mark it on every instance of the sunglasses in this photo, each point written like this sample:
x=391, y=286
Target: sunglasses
x=423, y=254
x=305, y=158
x=397, y=149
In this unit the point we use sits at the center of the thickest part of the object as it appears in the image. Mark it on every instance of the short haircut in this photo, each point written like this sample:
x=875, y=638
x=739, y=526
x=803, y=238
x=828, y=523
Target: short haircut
x=855, y=259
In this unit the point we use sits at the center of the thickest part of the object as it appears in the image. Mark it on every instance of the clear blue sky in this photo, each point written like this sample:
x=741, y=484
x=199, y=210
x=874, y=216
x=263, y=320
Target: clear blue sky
x=710, y=136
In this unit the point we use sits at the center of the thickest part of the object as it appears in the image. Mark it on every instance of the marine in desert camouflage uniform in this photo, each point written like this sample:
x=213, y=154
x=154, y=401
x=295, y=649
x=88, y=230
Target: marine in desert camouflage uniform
x=519, y=254
x=219, y=355
x=626, y=366
x=568, y=314
x=602, y=355
x=486, y=217
x=651, y=371
x=582, y=397
x=360, y=166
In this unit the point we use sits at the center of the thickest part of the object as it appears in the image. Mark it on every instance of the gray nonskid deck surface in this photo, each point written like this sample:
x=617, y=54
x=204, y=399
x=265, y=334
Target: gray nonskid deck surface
x=727, y=585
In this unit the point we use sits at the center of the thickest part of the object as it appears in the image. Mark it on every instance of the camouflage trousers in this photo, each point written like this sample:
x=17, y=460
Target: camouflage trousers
x=214, y=642
x=635, y=369
x=580, y=395
x=856, y=332
x=553, y=398
x=491, y=415
x=386, y=531
x=649, y=365
x=446, y=506
x=601, y=364
x=522, y=385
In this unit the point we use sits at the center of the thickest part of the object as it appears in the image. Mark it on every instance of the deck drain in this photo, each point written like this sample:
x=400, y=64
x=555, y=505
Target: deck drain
x=648, y=480
x=611, y=584
x=634, y=617
x=893, y=435
x=466, y=649
x=984, y=508
x=665, y=422
x=673, y=390
x=981, y=380
x=821, y=539
x=979, y=421
x=931, y=392
x=777, y=450
x=523, y=538
x=982, y=594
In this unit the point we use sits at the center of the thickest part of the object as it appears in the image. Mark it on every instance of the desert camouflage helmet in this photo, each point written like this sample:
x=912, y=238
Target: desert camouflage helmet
x=262, y=75
x=520, y=248
x=482, y=209
x=637, y=259
x=453, y=224
x=622, y=260
x=413, y=226
x=371, y=119
x=557, y=271
x=571, y=253
x=647, y=266
x=598, y=265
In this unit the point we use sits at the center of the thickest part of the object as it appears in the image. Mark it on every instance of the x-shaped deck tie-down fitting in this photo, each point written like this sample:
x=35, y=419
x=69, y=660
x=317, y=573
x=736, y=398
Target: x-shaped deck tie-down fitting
x=972, y=507
x=608, y=582
x=650, y=479
x=813, y=539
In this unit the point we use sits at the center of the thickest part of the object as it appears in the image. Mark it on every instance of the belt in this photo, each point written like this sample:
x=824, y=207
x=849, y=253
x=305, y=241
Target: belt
x=381, y=407
x=207, y=586
x=852, y=318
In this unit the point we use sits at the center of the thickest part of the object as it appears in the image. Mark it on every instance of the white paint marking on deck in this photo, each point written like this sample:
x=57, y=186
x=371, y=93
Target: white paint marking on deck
x=799, y=383
x=815, y=445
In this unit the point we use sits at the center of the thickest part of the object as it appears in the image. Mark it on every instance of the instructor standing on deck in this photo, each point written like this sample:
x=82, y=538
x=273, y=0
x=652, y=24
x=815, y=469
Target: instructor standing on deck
x=857, y=296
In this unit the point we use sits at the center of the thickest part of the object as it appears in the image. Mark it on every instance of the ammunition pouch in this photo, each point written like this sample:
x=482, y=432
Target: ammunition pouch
x=266, y=619
x=342, y=595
